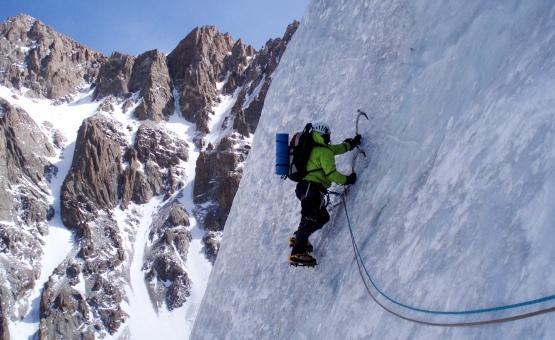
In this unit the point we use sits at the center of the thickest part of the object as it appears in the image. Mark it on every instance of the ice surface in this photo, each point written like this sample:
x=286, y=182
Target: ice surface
x=454, y=206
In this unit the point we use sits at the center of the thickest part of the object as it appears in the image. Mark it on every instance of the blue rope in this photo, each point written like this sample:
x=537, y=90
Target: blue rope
x=429, y=311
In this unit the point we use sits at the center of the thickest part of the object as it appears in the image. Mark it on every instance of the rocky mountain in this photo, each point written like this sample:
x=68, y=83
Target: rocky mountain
x=147, y=75
x=24, y=206
x=49, y=64
x=89, y=193
x=196, y=65
x=219, y=168
x=138, y=157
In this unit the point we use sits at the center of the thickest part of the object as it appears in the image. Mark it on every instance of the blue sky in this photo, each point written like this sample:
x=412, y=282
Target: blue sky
x=136, y=26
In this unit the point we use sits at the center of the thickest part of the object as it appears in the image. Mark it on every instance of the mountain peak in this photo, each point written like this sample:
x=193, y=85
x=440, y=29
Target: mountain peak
x=14, y=28
x=37, y=57
x=206, y=33
x=22, y=17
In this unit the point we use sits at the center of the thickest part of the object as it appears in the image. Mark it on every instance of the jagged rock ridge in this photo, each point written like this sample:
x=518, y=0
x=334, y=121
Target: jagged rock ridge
x=219, y=169
x=147, y=75
x=196, y=65
x=170, y=241
x=42, y=60
x=24, y=207
x=258, y=78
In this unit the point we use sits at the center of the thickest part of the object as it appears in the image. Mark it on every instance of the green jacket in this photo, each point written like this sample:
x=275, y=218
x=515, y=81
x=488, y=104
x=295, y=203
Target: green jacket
x=321, y=163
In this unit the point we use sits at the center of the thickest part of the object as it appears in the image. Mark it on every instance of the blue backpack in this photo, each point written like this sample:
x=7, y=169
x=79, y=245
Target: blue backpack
x=297, y=155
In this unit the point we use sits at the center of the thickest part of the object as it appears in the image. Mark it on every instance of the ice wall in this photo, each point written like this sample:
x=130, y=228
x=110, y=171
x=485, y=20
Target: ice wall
x=454, y=206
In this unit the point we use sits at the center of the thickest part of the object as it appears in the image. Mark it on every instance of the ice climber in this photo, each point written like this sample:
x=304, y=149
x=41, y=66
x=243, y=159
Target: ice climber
x=312, y=189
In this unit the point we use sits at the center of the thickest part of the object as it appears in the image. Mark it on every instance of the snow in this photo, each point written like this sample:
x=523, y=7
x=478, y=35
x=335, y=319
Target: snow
x=59, y=242
x=146, y=322
x=127, y=119
x=66, y=118
x=198, y=267
x=453, y=208
x=254, y=93
x=220, y=84
x=141, y=308
x=222, y=112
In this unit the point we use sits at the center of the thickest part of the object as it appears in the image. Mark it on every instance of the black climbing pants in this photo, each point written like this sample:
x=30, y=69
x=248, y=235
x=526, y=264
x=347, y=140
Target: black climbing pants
x=313, y=213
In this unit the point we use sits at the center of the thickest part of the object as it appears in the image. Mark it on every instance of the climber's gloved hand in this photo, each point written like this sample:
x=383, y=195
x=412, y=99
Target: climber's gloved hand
x=351, y=179
x=353, y=142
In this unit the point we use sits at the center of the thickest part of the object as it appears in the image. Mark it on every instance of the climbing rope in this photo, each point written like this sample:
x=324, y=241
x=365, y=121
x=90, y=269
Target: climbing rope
x=364, y=271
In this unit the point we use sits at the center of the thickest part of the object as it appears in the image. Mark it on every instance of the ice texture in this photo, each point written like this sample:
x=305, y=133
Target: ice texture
x=453, y=208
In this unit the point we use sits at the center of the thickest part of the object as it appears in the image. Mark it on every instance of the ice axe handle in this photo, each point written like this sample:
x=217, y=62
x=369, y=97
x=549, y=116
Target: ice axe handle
x=360, y=113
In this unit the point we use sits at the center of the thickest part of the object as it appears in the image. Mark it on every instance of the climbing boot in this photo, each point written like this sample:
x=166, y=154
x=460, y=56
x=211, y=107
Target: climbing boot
x=303, y=260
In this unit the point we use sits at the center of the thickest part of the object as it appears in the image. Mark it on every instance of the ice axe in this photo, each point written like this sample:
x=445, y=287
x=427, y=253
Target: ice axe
x=360, y=114
x=360, y=150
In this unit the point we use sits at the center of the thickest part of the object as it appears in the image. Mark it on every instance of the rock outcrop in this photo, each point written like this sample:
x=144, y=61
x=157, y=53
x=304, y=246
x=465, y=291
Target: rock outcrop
x=114, y=76
x=24, y=149
x=89, y=192
x=147, y=75
x=153, y=161
x=218, y=173
x=199, y=62
x=93, y=181
x=165, y=272
x=236, y=64
x=256, y=82
x=135, y=186
x=163, y=147
x=150, y=76
x=38, y=58
x=65, y=314
x=24, y=207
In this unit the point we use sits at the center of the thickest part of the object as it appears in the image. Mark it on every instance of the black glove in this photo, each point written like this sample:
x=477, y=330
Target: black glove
x=354, y=142
x=351, y=179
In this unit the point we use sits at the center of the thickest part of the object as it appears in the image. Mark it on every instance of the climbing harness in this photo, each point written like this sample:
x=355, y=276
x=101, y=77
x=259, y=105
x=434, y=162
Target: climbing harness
x=363, y=271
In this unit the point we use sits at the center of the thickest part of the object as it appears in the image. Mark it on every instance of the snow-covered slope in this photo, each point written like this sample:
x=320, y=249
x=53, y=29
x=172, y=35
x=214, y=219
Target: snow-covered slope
x=454, y=206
